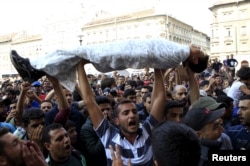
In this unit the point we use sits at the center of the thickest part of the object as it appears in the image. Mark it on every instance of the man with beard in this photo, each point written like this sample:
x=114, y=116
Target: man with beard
x=180, y=94
x=56, y=140
x=15, y=152
x=134, y=142
x=240, y=134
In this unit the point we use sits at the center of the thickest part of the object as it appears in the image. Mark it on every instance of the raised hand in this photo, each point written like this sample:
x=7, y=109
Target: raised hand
x=31, y=94
x=36, y=135
x=25, y=86
x=11, y=115
x=116, y=156
x=32, y=155
x=195, y=54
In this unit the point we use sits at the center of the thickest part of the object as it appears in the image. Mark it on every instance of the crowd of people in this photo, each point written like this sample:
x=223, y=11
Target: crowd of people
x=166, y=117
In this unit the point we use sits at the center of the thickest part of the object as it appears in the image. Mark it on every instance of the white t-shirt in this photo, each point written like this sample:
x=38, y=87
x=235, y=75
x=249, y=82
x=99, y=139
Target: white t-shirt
x=235, y=93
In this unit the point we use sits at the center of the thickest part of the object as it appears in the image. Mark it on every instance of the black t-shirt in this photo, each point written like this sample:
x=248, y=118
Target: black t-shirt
x=216, y=66
x=232, y=62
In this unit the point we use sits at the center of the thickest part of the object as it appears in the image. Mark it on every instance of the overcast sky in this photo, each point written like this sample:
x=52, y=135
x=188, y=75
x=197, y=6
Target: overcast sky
x=16, y=15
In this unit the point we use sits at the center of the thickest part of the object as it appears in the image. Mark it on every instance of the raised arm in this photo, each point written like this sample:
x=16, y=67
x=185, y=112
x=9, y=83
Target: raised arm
x=61, y=98
x=50, y=95
x=63, y=105
x=94, y=111
x=193, y=85
x=158, y=96
x=169, y=79
x=21, y=99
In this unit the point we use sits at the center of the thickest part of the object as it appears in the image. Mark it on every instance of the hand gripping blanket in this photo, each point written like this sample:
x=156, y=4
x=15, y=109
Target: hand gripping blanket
x=120, y=55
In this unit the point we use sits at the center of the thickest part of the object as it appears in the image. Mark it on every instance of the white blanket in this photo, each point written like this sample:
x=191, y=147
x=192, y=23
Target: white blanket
x=137, y=54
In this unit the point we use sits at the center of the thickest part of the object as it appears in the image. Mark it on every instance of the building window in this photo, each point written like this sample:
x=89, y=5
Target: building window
x=228, y=32
x=244, y=46
x=227, y=15
x=243, y=14
x=215, y=18
x=243, y=30
x=228, y=47
x=216, y=33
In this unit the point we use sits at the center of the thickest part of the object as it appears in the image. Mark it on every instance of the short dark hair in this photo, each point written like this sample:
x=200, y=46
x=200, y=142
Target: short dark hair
x=132, y=83
x=216, y=75
x=201, y=66
x=150, y=88
x=243, y=73
x=116, y=110
x=145, y=96
x=203, y=83
x=45, y=133
x=31, y=114
x=3, y=131
x=102, y=100
x=76, y=95
x=107, y=83
x=139, y=83
x=69, y=124
x=48, y=101
x=175, y=144
x=224, y=99
x=129, y=92
x=11, y=91
x=14, y=101
x=90, y=75
x=219, y=92
x=171, y=104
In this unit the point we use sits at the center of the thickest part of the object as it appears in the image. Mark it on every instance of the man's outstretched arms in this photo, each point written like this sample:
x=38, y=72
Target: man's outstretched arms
x=88, y=95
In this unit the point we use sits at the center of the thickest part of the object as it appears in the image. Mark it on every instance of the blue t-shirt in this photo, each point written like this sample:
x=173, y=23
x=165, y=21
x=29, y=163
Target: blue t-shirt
x=239, y=136
x=75, y=116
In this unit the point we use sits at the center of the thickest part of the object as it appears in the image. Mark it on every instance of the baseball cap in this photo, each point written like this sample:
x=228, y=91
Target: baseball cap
x=207, y=102
x=198, y=118
x=207, y=75
x=36, y=83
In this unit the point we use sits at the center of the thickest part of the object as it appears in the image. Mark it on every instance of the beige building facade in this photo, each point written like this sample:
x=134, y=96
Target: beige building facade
x=64, y=33
x=27, y=44
x=5, y=47
x=144, y=24
x=230, y=29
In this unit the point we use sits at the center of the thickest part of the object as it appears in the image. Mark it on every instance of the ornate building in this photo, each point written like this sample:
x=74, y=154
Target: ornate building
x=27, y=43
x=103, y=28
x=230, y=29
x=140, y=25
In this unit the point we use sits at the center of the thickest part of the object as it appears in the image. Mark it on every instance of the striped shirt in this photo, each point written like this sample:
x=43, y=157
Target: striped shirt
x=140, y=152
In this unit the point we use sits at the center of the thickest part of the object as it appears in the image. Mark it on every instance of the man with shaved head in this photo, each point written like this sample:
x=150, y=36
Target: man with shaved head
x=180, y=94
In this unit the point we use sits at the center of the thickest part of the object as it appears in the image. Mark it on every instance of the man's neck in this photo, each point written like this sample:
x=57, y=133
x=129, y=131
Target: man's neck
x=55, y=159
x=130, y=137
